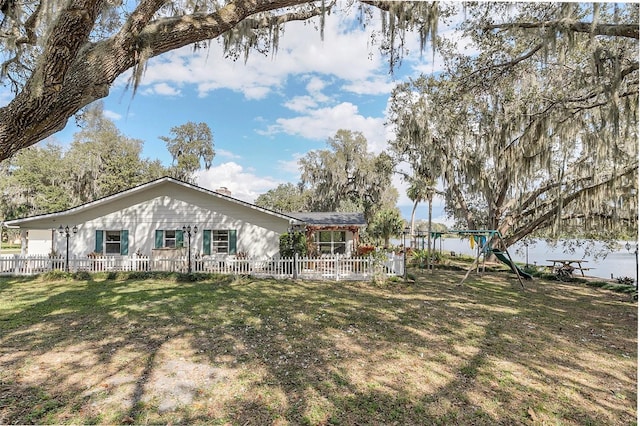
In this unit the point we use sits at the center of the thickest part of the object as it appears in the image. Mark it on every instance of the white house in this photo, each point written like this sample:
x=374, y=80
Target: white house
x=152, y=216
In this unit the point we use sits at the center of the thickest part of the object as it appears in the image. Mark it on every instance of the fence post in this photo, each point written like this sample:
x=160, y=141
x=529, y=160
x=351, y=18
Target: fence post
x=336, y=266
x=295, y=266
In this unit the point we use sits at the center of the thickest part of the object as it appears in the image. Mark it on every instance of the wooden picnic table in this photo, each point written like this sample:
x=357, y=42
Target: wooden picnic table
x=568, y=265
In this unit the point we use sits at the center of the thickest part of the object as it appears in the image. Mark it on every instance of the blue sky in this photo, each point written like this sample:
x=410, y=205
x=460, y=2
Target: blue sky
x=268, y=112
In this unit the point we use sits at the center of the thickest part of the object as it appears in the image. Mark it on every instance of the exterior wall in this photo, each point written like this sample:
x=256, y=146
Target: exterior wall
x=165, y=207
x=39, y=242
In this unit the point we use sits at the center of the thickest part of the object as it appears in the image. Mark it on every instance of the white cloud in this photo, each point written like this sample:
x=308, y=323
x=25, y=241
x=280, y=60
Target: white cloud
x=227, y=154
x=376, y=85
x=291, y=166
x=242, y=183
x=6, y=96
x=315, y=85
x=162, y=89
x=112, y=115
x=301, y=103
x=322, y=123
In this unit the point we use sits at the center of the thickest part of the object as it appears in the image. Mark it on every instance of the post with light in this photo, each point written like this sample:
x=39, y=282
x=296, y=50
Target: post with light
x=67, y=233
x=405, y=232
x=420, y=234
x=189, y=230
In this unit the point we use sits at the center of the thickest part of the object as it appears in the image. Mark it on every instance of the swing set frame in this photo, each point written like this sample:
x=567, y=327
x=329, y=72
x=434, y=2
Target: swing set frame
x=490, y=235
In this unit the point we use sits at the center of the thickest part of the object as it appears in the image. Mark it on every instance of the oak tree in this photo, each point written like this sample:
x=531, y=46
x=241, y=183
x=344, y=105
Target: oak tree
x=346, y=177
x=538, y=130
x=59, y=56
x=191, y=147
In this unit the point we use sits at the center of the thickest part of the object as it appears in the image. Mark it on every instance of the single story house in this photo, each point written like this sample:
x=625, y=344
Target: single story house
x=151, y=217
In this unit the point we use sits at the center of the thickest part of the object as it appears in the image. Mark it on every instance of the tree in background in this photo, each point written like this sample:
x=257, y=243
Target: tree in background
x=292, y=244
x=100, y=162
x=538, y=132
x=286, y=197
x=422, y=189
x=60, y=56
x=385, y=224
x=346, y=177
x=35, y=181
x=191, y=147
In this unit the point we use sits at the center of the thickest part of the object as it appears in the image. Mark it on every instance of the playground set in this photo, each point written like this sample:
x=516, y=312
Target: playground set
x=489, y=241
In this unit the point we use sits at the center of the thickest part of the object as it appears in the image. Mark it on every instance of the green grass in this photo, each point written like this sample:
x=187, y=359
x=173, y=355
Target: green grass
x=220, y=350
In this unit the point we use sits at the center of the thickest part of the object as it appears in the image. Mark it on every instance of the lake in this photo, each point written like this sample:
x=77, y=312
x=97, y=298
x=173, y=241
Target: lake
x=620, y=263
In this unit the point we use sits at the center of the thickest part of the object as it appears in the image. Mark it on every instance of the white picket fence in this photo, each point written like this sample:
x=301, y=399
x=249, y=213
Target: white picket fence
x=320, y=268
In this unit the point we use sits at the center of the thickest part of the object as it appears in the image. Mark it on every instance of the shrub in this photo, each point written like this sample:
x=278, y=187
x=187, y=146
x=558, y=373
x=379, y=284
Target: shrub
x=81, y=276
x=55, y=275
x=295, y=243
x=138, y=275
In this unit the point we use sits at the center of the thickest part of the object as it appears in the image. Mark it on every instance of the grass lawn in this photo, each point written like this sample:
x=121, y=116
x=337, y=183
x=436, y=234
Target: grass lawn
x=258, y=352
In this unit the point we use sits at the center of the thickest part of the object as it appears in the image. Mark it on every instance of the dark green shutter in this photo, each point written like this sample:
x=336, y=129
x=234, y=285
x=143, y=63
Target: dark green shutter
x=159, y=238
x=206, y=241
x=233, y=241
x=124, y=242
x=179, y=238
x=99, y=241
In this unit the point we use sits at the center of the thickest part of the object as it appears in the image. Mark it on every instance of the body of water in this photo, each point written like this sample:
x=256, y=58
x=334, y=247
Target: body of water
x=620, y=262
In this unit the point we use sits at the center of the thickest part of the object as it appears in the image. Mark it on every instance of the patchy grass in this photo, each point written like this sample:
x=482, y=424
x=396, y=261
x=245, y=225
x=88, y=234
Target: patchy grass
x=245, y=351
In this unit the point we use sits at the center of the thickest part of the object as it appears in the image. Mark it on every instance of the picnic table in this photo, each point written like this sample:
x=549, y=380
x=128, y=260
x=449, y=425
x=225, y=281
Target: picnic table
x=568, y=265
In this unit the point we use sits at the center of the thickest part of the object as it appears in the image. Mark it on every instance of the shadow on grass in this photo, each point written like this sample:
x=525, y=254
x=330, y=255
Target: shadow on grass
x=261, y=351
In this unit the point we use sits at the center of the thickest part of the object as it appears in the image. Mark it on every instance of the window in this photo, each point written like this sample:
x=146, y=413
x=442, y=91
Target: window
x=169, y=238
x=331, y=242
x=219, y=241
x=112, y=242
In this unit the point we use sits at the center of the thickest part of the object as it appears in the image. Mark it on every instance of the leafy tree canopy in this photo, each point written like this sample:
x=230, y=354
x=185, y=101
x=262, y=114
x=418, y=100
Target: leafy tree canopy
x=60, y=56
x=538, y=131
x=191, y=147
x=100, y=161
x=346, y=176
x=286, y=197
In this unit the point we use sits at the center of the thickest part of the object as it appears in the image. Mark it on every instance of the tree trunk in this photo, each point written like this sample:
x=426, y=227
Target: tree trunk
x=73, y=71
x=429, y=260
x=413, y=217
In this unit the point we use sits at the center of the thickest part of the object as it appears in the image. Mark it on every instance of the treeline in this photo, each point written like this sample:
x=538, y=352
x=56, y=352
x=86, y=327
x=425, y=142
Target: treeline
x=99, y=162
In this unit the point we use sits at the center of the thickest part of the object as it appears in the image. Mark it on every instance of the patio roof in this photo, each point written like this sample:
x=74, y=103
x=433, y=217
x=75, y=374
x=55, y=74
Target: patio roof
x=330, y=218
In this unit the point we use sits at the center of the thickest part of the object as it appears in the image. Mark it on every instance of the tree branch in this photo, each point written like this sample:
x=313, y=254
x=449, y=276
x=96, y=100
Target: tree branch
x=509, y=63
x=73, y=72
x=553, y=211
x=613, y=30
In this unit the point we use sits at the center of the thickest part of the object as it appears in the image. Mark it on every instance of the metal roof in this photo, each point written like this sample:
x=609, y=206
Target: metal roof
x=330, y=218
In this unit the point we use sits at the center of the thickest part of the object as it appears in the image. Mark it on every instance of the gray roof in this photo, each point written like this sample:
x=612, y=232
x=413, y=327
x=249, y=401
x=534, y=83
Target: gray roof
x=330, y=218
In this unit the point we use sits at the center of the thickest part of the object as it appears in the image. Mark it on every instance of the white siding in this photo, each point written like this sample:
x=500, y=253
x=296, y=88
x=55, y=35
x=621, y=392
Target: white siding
x=39, y=242
x=170, y=206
